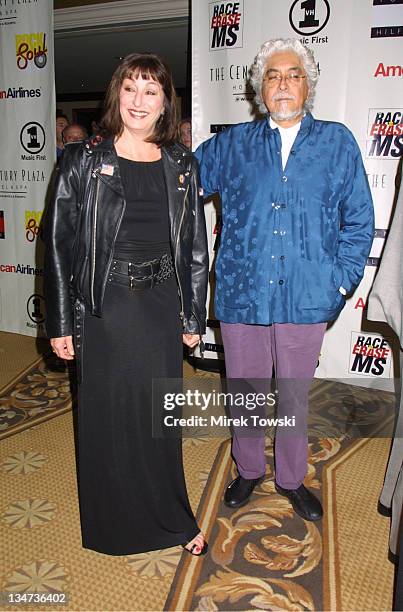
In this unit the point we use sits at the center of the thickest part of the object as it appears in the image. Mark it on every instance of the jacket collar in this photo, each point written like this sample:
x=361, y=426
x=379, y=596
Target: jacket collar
x=106, y=165
x=176, y=161
x=174, y=152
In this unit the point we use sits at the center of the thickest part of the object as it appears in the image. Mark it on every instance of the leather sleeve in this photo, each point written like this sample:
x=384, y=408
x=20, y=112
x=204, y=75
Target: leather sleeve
x=59, y=238
x=196, y=324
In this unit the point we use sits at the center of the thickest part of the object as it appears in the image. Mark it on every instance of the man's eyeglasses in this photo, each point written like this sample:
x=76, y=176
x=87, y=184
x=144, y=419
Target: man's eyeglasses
x=293, y=78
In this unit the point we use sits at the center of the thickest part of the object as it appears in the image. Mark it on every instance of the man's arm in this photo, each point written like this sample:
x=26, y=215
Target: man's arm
x=208, y=156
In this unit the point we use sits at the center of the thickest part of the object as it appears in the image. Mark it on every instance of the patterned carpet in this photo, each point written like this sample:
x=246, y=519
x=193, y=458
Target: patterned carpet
x=40, y=392
x=261, y=557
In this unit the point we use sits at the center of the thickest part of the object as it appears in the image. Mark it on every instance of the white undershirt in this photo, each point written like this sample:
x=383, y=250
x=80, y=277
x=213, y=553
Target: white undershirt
x=288, y=136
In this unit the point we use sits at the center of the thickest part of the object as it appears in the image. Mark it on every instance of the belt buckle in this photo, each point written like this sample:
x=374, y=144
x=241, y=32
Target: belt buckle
x=150, y=269
x=132, y=280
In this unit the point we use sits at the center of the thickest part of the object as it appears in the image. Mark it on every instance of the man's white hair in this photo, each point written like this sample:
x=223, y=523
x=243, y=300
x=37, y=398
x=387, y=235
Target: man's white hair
x=284, y=44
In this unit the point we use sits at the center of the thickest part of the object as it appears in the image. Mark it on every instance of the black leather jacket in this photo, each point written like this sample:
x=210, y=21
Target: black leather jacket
x=82, y=223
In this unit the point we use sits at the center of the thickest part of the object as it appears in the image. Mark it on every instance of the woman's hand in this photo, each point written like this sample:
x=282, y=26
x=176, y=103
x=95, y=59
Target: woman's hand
x=63, y=347
x=191, y=340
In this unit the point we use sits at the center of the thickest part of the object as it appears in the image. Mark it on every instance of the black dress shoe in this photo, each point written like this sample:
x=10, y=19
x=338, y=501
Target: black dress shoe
x=384, y=510
x=303, y=501
x=238, y=492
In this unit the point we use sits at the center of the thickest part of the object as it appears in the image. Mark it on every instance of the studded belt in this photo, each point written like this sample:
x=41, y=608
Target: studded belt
x=143, y=275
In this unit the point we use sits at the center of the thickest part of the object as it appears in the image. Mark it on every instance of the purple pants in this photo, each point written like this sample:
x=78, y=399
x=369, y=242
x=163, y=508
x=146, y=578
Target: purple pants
x=251, y=351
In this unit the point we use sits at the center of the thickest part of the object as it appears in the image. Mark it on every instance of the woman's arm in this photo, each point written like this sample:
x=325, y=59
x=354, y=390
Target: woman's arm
x=59, y=236
x=200, y=262
x=63, y=347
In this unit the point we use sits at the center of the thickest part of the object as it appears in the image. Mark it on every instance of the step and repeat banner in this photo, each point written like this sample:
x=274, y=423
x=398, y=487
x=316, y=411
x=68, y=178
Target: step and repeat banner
x=358, y=50
x=27, y=157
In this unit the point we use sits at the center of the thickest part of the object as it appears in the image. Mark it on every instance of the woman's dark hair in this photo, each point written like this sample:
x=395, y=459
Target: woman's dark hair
x=148, y=65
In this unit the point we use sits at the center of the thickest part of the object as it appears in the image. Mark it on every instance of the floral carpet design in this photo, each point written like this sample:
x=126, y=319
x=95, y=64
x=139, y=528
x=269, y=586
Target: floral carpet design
x=260, y=557
x=263, y=556
x=44, y=390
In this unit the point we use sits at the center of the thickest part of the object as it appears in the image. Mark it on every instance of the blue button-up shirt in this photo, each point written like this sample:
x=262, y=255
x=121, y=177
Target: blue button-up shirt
x=292, y=237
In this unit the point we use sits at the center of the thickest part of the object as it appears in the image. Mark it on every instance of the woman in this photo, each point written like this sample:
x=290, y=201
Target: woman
x=185, y=132
x=126, y=251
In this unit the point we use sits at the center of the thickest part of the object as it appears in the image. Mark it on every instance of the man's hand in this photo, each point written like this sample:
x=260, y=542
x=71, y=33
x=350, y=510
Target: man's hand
x=191, y=340
x=63, y=347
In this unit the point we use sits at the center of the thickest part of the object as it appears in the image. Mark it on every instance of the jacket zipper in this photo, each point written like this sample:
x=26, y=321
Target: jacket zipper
x=112, y=250
x=181, y=314
x=94, y=235
x=96, y=175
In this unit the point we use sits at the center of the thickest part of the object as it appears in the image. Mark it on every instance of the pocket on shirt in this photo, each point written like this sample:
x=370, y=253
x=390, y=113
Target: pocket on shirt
x=317, y=285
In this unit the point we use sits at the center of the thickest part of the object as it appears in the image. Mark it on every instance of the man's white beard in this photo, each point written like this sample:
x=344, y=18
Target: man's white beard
x=285, y=114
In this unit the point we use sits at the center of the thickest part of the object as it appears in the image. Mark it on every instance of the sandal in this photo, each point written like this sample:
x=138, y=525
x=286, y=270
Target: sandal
x=194, y=546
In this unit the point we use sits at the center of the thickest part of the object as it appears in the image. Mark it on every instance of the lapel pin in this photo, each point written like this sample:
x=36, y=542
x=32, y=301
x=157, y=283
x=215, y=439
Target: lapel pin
x=107, y=169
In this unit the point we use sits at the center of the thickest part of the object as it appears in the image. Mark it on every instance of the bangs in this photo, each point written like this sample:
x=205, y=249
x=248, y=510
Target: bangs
x=146, y=69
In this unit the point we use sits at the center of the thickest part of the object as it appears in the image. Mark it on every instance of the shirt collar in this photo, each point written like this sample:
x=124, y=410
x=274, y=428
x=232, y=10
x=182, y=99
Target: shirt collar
x=294, y=128
x=305, y=125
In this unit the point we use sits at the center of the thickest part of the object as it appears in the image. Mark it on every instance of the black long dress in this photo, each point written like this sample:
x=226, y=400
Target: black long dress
x=132, y=490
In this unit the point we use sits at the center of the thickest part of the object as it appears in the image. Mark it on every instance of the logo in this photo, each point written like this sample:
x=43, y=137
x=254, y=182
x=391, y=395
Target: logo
x=32, y=139
x=309, y=17
x=226, y=25
x=377, y=180
x=370, y=355
x=2, y=226
x=238, y=75
x=385, y=133
x=36, y=310
x=21, y=269
x=388, y=71
x=387, y=19
x=14, y=183
x=15, y=94
x=10, y=10
x=33, y=226
x=31, y=48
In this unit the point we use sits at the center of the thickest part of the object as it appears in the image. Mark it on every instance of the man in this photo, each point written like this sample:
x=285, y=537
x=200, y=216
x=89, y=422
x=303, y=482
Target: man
x=74, y=133
x=61, y=123
x=297, y=230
